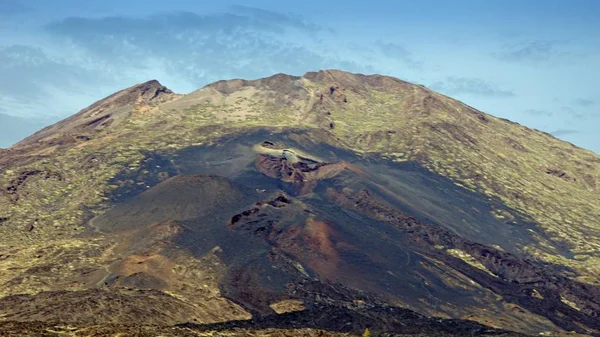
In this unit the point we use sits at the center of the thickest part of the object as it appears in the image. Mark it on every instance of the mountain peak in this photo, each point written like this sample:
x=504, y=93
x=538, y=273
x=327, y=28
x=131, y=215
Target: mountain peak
x=357, y=80
x=139, y=94
x=103, y=113
x=152, y=86
x=278, y=82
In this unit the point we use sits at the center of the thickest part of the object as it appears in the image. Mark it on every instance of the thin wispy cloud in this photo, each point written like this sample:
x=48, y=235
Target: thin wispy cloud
x=538, y=113
x=469, y=85
x=564, y=132
x=11, y=7
x=578, y=114
x=286, y=20
x=398, y=52
x=34, y=81
x=229, y=44
x=535, y=51
x=584, y=102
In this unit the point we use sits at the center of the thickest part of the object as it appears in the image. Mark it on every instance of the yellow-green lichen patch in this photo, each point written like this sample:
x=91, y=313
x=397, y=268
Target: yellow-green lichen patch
x=466, y=257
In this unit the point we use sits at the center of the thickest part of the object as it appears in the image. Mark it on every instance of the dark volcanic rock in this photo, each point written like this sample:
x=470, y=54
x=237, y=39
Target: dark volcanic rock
x=355, y=320
x=513, y=277
x=178, y=198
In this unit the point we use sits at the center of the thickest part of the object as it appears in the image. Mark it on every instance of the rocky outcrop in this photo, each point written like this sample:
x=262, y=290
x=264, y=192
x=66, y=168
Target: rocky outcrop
x=560, y=174
x=297, y=171
x=14, y=187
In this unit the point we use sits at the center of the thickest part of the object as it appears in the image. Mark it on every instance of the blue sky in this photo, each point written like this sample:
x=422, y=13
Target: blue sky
x=536, y=62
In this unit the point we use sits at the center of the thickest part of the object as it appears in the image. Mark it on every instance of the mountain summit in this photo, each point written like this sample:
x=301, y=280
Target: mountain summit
x=332, y=201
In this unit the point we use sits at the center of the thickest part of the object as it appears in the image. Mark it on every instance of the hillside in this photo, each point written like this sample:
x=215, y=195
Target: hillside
x=339, y=191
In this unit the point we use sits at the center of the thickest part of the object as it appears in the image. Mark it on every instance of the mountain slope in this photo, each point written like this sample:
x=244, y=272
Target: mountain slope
x=272, y=190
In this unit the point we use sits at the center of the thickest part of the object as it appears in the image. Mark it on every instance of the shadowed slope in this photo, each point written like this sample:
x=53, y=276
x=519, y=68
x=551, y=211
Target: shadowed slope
x=177, y=198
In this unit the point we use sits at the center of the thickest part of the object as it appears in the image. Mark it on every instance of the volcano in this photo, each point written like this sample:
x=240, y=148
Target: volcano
x=320, y=205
